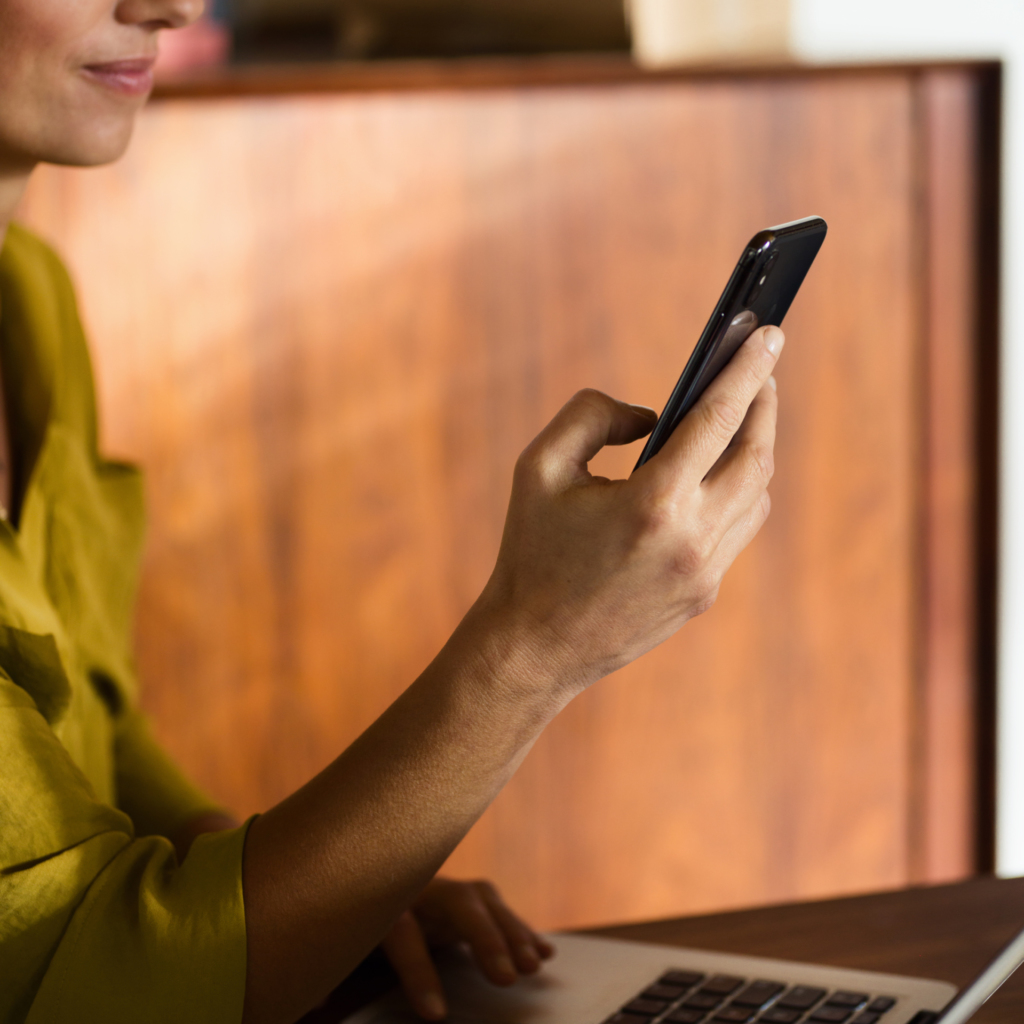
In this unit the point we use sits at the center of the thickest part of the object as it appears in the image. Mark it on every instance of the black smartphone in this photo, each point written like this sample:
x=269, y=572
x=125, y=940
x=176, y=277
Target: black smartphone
x=760, y=291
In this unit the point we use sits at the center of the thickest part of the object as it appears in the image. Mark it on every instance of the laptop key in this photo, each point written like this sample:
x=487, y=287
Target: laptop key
x=831, y=1014
x=685, y=979
x=646, y=1007
x=722, y=984
x=850, y=999
x=801, y=997
x=881, y=1004
x=866, y=1017
x=757, y=993
x=685, y=1016
x=780, y=1015
x=703, y=1001
x=735, y=1014
x=659, y=991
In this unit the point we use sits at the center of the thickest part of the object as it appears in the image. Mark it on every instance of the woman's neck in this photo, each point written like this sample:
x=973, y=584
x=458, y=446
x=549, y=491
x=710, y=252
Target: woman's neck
x=12, y=187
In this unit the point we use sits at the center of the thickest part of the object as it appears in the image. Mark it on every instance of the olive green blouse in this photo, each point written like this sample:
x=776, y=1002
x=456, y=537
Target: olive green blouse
x=98, y=921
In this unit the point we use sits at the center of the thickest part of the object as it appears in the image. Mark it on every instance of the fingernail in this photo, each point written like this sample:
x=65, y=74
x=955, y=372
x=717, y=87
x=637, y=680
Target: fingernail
x=503, y=965
x=775, y=386
x=774, y=339
x=432, y=1005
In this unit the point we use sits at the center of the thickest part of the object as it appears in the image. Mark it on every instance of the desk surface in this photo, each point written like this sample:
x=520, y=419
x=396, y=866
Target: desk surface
x=947, y=932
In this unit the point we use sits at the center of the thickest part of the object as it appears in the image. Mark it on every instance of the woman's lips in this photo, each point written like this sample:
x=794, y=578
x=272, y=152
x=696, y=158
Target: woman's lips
x=128, y=77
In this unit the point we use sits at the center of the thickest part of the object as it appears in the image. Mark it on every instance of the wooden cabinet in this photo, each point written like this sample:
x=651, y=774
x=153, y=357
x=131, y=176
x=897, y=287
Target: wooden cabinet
x=329, y=309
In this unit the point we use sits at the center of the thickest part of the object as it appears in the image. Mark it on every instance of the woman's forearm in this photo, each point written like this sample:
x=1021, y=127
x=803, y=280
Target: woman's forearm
x=591, y=573
x=329, y=869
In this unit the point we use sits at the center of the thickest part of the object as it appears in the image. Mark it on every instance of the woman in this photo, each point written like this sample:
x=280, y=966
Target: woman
x=101, y=917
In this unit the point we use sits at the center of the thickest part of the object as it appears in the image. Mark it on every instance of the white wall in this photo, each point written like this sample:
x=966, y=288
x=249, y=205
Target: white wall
x=870, y=29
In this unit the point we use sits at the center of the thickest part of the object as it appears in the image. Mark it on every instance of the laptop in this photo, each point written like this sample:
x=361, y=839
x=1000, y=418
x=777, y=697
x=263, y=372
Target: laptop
x=606, y=981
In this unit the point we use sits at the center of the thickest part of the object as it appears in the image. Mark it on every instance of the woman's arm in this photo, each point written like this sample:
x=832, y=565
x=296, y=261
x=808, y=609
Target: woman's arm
x=590, y=575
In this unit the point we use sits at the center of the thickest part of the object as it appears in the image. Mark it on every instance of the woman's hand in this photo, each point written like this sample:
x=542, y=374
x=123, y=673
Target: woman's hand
x=592, y=572
x=448, y=912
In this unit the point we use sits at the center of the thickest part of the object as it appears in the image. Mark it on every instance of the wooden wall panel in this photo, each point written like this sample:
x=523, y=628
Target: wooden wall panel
x=326, y=325
x=950, y=115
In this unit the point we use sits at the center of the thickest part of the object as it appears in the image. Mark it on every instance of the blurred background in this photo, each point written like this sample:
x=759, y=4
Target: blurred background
x=386, y=239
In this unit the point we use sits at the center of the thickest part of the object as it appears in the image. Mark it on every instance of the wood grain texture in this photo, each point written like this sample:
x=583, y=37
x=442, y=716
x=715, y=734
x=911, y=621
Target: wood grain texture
x=948, y=111
x=327, y=325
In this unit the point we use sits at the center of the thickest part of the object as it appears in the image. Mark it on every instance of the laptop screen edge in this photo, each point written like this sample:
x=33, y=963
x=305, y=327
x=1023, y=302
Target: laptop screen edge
x=968, y=1002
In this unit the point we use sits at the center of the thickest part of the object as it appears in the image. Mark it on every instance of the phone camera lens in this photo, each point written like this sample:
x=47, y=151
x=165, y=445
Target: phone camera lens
x=759, y=281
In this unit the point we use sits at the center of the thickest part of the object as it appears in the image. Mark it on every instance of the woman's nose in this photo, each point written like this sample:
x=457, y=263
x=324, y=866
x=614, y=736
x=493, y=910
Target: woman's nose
x=159, y=13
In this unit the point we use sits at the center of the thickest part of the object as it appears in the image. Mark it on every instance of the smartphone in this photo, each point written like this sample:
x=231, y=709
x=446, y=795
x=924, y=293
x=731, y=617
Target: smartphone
x=760, y=291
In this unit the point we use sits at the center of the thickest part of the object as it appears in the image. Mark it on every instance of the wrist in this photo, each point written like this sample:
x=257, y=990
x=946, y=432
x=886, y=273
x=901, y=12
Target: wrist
x=514, y=658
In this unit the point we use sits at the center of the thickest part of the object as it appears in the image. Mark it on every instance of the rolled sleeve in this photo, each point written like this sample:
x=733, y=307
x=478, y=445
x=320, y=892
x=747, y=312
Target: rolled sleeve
x=154, y=941
x=96, y=924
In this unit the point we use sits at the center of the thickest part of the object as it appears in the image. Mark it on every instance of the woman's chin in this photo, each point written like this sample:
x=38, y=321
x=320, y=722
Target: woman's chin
x=90, y=146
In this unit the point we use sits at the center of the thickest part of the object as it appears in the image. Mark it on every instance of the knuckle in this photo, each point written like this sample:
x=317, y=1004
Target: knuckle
x=706, y=601
x=591, y=398
x=691, y=557
x=655, y=512
x=531, y=466
x=588, y=404
x=686, y=561
x=526, y=461
x=762, y=458
x=722, y=416
x=706, y=590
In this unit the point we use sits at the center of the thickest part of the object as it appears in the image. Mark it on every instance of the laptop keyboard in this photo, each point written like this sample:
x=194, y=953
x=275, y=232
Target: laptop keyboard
x=687, y=997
